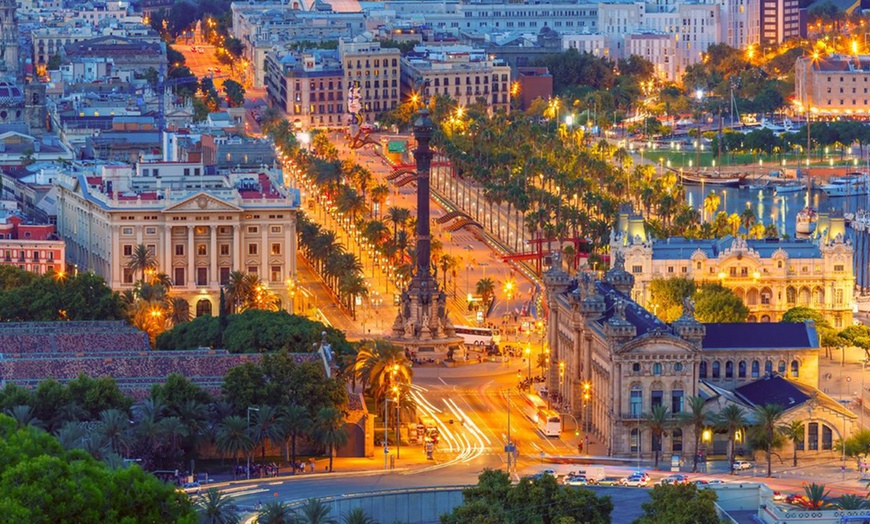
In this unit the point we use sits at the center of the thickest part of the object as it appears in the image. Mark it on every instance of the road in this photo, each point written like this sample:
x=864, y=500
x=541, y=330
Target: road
x=204, y=64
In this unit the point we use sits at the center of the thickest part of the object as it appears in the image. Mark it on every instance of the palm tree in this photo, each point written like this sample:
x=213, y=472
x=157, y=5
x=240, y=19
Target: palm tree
x=216, y=508
x=816, y=496
x=486, y=289
x=357, y=516
x=267, y=425
x=114, y=426
x=329, y=431
x=850, y=501
x=379, y=195
x=23, y=416
x=711, y=203
x=141, y=259
x=276, y=512
x=658, y=420
x=351, y=286
x=379, y=365
x=297, y=421
x=179, y=310
x=767, y=419
x=315, y=511
x=399, y=216
x=731, y=420
x=238, y=290
x=695, y=418
x=793, y=431
x=233, y=437
x=173, y=430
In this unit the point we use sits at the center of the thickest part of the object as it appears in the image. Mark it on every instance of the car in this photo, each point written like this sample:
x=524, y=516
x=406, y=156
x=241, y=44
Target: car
x=609, y=481
x=777, y=496
x=217, y=69
x=541, y=474
x=576, y=480
x=700, y=482
x=740, y=465
x=643, y=474
x=675, y=479
x=635, y=481
x=715, y=482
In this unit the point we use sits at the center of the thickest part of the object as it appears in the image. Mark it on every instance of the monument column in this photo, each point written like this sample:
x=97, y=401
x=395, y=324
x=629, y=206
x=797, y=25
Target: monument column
x=423, y=157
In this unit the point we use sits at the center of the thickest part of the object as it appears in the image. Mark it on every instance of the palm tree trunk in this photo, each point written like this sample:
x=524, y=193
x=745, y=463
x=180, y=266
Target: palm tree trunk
x=293, y=452
x=697, y=445
x=331, y=453
x=731, y=454
x=795, y=455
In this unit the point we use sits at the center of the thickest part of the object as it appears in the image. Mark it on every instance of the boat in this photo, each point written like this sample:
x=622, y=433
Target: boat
x=789, y=188
x=698, y=179
x=850, y=185
x=806, y=220
x=758, y=187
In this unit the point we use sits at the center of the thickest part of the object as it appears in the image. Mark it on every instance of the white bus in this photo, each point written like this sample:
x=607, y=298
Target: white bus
x=478, y=336
x=533, y=406
x=549, y=422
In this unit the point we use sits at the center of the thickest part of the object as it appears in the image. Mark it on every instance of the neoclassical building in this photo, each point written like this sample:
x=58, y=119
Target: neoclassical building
x=201, y=227
x=771, y=276
x=613, y=360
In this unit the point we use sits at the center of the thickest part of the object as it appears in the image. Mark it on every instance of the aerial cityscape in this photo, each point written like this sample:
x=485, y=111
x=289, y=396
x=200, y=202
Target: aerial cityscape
x=434, y=261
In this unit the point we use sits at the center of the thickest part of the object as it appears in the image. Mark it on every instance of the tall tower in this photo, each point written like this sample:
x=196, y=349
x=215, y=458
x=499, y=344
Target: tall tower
x=9, y=66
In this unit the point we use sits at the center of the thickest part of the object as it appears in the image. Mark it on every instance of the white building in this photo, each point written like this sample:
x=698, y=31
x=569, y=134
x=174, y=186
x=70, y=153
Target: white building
x=201, y=227
x=659, y=48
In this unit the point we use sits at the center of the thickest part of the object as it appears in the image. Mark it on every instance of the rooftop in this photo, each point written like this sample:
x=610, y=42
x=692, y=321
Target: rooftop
x=751, y=335
x=678, y=248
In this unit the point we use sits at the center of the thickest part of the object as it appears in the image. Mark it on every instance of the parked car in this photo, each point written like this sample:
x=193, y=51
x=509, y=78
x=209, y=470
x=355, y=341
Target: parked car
x=740, y=465
x=715, y=482
x=543, y=472
x=635, y=481
x=609, y=481
x=675, y=479
x=700, y=482
x=576, y=480
x=643, y=474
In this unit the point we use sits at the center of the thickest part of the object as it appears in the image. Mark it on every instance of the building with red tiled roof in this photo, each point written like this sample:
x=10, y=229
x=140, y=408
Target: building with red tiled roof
x=29, y=246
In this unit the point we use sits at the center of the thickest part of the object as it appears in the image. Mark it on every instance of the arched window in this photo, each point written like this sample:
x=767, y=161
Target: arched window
x=702, y=369
x=741, y=369
x=203, y=307
x=677, y=441
x=657, y=368
x=813, y=436
x=795, y=367
x=827, y=437
x=635, y=440
x=716, y=369
x=729, y=369
x=768, y=367
x=755, y=369
x=790, y=295
x=780, y=368
x=765, y=318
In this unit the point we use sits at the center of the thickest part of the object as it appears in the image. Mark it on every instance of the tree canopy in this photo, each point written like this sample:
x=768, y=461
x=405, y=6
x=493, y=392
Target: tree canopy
x=716, y=303
x=254, y=331
x=494, y=500
x=26, y=297
x=679, y=504
x=41, y=482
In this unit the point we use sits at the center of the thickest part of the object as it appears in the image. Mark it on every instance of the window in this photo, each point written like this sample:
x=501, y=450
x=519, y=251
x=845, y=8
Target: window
x=716, y=369
x=729, y=369
x=179, y=277
x=253, y=270
x=827, y=438
x=795, y=368
x=150, y=230
x=657, y=368
x=179, y=250
x=128, y=275
x=275, y=229
x=636, y=269
x=225, y=250
x=656, y=398
x=813, y=436
x=276, y=273
x=678, y=367
x=200, y=250
x=276, y=249
x=768, y=367
x=635, y=368
x=677, y=440
x=755, y=367
x=224, y=275
x=702, y=370
x=781, y=367
x=128, y=250
x=252, y=249
x=253, y=229
x=677, y=401
x=741, y=369
x=636, y=402
x=635, y=440
x=127, y=231
x=202, y=276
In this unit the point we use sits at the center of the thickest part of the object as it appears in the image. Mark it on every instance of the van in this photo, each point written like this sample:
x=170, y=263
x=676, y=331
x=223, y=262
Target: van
x=592, y=473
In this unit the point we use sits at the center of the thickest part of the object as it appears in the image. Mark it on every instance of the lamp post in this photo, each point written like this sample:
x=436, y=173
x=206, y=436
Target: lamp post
x=529, y=360
x=248, y=427
x=386, y=427
x=508, y=448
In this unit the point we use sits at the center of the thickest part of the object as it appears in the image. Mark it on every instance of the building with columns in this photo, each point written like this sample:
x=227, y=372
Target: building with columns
x=201, y=227
x=612, y=361
x=771, y=276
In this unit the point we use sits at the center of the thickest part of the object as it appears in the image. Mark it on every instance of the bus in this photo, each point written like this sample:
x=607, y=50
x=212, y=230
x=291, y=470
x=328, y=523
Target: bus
x=478, y=336
x=533, y=406
x=549, y=422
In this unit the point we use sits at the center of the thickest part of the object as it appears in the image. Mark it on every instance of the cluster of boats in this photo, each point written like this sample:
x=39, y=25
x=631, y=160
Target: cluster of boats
x=855, y=184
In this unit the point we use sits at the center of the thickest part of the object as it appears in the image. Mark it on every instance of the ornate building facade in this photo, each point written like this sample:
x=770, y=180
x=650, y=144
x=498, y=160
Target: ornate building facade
x=771, y=276
x=612, y=361
x=200, y=228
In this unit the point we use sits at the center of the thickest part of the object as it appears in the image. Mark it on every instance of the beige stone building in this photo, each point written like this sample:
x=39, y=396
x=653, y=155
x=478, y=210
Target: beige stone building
x=374, y=72
x=833, y=85
x=612, y=362
x=201, y=227
x=770, y=276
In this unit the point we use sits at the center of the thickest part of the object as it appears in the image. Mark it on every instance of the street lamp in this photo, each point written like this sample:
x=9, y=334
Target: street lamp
x=529, y=360
x=386, y=427
x=248, y=427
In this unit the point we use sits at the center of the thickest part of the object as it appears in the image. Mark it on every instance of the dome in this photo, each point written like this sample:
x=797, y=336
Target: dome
x=10, y=94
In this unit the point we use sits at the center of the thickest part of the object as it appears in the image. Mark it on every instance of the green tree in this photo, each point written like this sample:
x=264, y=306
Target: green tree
x=716, y=303
x=658, y=421
x=297, y=422
x=235, y=93
x=357, y=516
x=315, y=511
x=793, y=431
x=815, y=496
x=766, y=429
x=696, y=417
x=233, y=437
x=54, y=63
x=850, y=501
x=217, y=508
x=142, y=259
x=729, y=421
x=485, y=287
x=802, y=314
x=329, y=431
x=679, y=504
x=276, y=512
x=667, y=294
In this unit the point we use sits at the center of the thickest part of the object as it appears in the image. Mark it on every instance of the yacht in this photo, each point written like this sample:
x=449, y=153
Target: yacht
x=789, y=188
x=806, y=220
x=850, y=185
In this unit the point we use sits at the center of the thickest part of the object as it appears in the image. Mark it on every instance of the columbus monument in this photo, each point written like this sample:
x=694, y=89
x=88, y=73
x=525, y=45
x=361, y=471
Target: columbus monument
x=422, y=325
